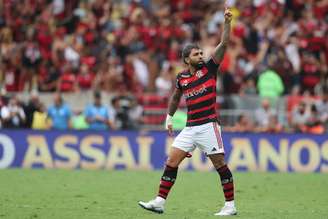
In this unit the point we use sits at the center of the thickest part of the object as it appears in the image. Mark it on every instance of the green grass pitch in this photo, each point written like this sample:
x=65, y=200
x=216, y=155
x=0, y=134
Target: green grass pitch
x=114, y=194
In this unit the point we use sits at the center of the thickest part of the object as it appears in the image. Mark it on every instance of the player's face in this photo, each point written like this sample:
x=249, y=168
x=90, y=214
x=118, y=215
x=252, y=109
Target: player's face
x=196, y=58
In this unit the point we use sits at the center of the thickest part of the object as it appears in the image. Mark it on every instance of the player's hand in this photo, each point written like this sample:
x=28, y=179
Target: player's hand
x=227, y=15
x=169, y=124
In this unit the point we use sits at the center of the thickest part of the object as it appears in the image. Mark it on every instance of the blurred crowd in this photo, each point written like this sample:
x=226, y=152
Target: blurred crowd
x=73, y=45
x=121, y=113
x=277, y=48
x=304, y=114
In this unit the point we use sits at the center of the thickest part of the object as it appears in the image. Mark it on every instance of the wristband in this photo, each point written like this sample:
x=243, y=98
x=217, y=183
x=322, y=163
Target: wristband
x=168, y=121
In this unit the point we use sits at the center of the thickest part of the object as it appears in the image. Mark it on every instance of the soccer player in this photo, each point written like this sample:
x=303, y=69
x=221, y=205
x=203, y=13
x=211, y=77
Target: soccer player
x=198, y=85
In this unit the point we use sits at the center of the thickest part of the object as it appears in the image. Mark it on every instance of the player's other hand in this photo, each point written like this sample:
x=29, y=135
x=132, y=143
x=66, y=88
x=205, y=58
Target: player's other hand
x=227, y=15
x=169, y=125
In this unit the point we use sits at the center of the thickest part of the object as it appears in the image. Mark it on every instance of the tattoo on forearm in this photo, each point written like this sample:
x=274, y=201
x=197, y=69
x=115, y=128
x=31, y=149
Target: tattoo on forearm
x=221, y=48
x=226, y=33
x=174, y=103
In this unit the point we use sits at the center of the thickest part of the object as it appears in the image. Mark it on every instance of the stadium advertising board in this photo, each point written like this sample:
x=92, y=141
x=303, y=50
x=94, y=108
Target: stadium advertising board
x=148, y=150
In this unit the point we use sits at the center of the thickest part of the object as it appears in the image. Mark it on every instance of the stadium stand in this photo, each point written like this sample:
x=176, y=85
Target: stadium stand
x=130, y=50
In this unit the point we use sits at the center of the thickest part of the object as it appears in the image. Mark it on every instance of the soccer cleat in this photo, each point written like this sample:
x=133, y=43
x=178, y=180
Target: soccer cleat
x=227, y=211
x=153, y=206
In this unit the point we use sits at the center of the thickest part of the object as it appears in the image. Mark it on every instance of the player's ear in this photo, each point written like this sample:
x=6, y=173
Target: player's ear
x=187, y=60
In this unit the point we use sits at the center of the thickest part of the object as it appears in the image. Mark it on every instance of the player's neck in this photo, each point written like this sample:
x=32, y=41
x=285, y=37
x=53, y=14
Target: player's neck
x=192, y=70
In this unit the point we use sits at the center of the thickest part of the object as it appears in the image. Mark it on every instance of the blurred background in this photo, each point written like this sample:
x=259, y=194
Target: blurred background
x=108, y=67
x=100, y=64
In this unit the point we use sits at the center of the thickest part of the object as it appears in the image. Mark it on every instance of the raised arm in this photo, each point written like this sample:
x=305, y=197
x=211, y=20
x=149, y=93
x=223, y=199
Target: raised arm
x=173, y=106
x=221, y=48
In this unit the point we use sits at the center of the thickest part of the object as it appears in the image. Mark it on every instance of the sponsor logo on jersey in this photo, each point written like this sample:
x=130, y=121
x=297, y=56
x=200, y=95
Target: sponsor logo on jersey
x=195, y=92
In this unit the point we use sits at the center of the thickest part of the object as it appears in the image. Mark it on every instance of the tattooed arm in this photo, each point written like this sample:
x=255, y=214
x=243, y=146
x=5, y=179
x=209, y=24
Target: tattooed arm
x=173, y=106
x=174, y=101
x=221, y=48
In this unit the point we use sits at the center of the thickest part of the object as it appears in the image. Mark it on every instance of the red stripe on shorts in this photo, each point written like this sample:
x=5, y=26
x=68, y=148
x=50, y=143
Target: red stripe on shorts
x=217, y=134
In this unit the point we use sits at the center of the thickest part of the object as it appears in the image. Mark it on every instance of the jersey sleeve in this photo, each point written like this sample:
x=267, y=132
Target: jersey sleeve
x=212, y=66
x=177, y=82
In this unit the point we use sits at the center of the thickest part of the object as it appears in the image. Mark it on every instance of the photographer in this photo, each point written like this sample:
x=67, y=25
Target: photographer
x=125, y=112
x=13, y=115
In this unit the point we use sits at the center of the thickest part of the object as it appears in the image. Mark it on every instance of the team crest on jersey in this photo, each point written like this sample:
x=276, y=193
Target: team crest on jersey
x=199, y=73
x=184, y=83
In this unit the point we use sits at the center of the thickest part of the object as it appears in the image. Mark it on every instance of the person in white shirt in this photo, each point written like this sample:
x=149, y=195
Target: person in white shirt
x=263, y=114
x=13, y=115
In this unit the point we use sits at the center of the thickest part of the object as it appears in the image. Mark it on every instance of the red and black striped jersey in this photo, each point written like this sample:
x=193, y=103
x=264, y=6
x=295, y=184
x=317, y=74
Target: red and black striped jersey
x=199, y=91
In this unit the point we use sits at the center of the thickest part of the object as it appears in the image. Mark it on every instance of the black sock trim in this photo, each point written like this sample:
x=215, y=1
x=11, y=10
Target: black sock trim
x=165, y=187
x=167, y=167
x=222, y=169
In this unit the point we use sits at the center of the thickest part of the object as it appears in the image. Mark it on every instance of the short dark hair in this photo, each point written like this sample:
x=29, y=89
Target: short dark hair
x=187, y=50
x=97, y=94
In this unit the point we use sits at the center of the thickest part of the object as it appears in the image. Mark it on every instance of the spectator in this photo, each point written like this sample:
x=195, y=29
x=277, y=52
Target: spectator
x=113, y=112
x=300, y=116
x=85, y=78
x=122, y=105
x=270, y=84
x=243, y=124
x=109, y=76
x=314, y=124
x=164, y=82
x=13, y=115
x=40, y=120
x=248, y=88
x=60, y=114
x=141, y=69
x=310, y=72
x=31, y=60
x=48, y=78
x=273, y=127
x=263, y=114
x=97, y=115
x=135, y=114
x=9, y=72
x=3, y=102
x=79, y=121
x=10, y=76
x=322, y=106
x=67, y=80
x=32, y=106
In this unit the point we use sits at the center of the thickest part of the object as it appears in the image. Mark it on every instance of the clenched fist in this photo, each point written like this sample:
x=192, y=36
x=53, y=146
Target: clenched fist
x=227, y=15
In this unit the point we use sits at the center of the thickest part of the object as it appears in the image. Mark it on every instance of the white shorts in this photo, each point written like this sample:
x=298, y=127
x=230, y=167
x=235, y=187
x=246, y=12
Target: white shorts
x=206, y=137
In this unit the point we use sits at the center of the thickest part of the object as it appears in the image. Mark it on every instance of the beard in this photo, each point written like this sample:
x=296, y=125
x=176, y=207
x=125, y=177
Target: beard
x=198, y=65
